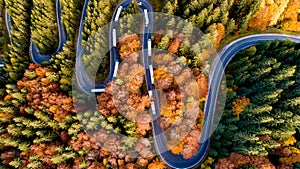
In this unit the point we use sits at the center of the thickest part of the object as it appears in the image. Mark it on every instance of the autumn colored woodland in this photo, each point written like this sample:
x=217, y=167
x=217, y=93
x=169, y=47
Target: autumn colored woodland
x=45, y=124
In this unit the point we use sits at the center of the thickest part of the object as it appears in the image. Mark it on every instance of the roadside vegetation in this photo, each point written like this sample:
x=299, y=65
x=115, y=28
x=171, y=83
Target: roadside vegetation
x=44, y=29
x=261, y=118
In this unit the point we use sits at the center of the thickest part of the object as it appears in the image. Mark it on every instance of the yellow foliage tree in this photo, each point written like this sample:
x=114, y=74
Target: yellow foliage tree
x=239, y=105
x=220, y=34
x=294, y=158
x=176, y=149
x=157, y=165
x=272, y=12
x=290, y=16
x=289, y=141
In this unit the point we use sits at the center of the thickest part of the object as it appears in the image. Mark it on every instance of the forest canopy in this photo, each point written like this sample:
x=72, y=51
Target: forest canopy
x=39, y=127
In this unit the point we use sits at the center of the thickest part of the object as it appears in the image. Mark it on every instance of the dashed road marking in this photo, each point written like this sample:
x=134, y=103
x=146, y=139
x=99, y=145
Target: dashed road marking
x=151, y=73
x=146, y=17
x=98, y=90
x=114, y=37
x=116, y=69
x=149, y=47
x=153, y=107
x=118, y=13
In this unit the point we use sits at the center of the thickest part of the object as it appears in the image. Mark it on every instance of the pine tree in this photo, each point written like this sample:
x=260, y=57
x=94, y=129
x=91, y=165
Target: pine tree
x=170, y=7
x=71, y=14
x=16, y=59
x=270, y=115
x=44, y=30
x=64, y=63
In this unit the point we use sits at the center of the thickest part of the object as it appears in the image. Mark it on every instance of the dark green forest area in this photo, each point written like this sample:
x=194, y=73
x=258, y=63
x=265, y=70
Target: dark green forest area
x=261, y=117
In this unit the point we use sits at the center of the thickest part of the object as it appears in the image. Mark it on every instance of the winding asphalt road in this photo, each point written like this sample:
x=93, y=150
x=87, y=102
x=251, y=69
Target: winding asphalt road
x=36, y=55
x=215, y=77
x=218, y=68
x=87, y=84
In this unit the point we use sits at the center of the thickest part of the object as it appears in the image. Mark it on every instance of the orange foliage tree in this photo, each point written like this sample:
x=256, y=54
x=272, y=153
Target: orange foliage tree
x=290, y=21
x=239, y=105
x=220, y=34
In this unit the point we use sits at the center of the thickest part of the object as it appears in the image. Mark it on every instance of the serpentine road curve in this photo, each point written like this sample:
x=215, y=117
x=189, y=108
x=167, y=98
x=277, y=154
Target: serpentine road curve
x=219, y=65
x=215, y=77
x=36, y=55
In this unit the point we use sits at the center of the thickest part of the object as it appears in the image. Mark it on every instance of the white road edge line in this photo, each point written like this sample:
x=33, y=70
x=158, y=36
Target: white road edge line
x=114, y=37
x=118, y=13
x=97, y=90
x=116, y=69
